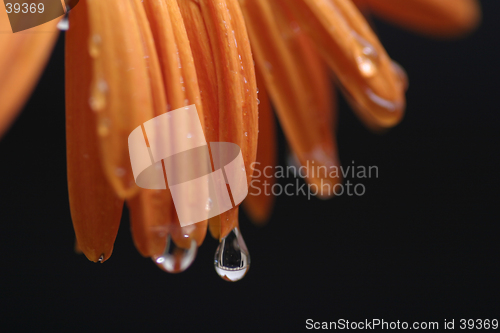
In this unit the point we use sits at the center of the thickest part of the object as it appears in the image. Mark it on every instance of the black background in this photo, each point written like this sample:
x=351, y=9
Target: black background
x=421, y=244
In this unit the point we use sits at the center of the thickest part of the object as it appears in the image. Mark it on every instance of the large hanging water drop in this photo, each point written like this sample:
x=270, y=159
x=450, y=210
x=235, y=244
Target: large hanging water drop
x=176, y=259
x=232, y=260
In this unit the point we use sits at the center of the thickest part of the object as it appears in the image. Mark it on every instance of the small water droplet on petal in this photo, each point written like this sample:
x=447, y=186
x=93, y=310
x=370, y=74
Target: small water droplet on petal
x=95, y=45
x=103, y=127
x=63, y=24
x=120, y=172
x=209, y=205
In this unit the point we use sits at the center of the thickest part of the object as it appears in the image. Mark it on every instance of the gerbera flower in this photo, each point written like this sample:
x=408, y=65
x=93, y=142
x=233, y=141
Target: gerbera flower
x=128, y=61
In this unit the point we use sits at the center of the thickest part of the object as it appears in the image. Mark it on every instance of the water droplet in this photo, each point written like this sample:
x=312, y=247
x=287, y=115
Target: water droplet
x=366, y=56
x=102, y=85
x=258, y=101
x=189, y=136
x=101, y=258
x=63, y=24
x=232, y=260
x=295, y=26
x=175, y=259
x=209, y=205
x=95, y=45
x=103, y=127
x=246, y=133
x=258, y=90
x=97, y=100
x=120, y=172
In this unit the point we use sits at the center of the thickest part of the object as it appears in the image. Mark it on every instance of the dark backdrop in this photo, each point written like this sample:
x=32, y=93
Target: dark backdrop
x=421, y=244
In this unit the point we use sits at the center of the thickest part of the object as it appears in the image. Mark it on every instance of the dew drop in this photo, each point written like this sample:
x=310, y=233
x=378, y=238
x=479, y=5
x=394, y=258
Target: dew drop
x=103, y=127
x=258, y=101
x=209, y=205
x=120, y=172
x=232, y=260
x=176, y=259
x=189, y=135
x=101, y=258
x=63, y=24
x=95, y=45
x=246, y=133
x=366, y=56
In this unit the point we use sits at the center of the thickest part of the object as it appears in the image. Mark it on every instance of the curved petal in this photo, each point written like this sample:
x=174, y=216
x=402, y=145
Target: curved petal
x=182, y=89
x=121, y=92
x=236, y=89
x=259, y=202
x=352, y=50
x=23, y=57
x=95, y=209
x=298, y=83
x=442, y=18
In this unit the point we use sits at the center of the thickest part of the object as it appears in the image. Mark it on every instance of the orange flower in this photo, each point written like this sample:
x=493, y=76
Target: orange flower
x=128, y=61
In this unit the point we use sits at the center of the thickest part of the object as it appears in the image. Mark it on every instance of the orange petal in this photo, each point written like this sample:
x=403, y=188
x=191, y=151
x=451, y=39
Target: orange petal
x=23, y=57
x=95, y=209
x=259, y=202
x=181, y=88
x=121, y=91
x=352, y=50
x=204, y=64
x=150, y=210
x=237, y=89
x=445, y=18
x=298, y=85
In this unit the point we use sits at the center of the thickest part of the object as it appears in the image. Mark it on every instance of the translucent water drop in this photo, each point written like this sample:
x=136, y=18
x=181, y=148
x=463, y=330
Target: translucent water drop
x=246, y=133
x=366, y=56
x=97, y=100
x=176, y=259
x=103, y=127
x=258, y=101
x=232, y=260
x=120, y=172
x=189, y=135
x=209, y=205
x=63, y=25
x=101, y=258
x=95, y=45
